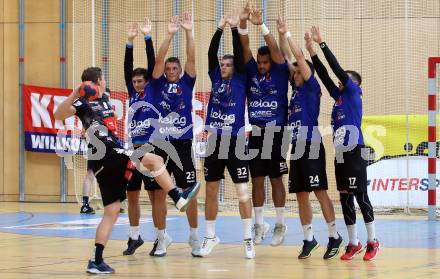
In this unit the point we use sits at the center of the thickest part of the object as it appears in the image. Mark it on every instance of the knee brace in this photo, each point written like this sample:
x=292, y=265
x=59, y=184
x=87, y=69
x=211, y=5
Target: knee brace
x=242, y=192
x=348, y=209
x=365, y=206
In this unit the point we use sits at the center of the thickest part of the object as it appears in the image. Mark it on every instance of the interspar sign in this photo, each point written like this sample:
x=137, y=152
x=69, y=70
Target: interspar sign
x=389, y=183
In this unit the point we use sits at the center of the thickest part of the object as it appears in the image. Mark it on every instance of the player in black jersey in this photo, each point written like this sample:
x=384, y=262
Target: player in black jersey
x=113, y=167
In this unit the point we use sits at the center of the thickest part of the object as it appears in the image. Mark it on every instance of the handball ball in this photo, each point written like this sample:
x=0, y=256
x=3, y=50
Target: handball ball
x=89, y=90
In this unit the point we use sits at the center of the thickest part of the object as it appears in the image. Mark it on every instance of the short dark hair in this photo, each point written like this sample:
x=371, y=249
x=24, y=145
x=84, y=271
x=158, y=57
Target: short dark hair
x=308, y=63
x=91, y=74
x=228, y=56
x=173, y=59
x=264, y=50
x=355, y=75
x=140, y=72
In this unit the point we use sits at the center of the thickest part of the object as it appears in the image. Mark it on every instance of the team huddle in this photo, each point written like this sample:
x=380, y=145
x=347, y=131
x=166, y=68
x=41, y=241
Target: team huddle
x=161, y=132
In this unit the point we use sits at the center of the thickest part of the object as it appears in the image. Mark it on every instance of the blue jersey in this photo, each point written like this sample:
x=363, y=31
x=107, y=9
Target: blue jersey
x=304, y=110
x=347, y=111
x=140, y=114
x=227, y=103
x=267, y=95
x=173, y=100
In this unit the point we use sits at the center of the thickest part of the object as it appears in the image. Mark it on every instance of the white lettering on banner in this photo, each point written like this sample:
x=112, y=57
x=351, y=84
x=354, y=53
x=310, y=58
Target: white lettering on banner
x=46, y=142
x=389, y=184
x=264, y=104
x=39, y=111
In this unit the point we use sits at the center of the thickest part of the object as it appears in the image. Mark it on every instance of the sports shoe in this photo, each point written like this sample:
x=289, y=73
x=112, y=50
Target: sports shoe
x=351, y=251
x=260, y=231
x=278, y=234
x=154, y=247
x=132, y=245
x=333, y=247
x=186, y=196
x=195, y=247
x=208, y=244
x=308, y=248
x=101, y=268
x=372, y=249
x=87, y=209
x=162, y=246
x=249, y=248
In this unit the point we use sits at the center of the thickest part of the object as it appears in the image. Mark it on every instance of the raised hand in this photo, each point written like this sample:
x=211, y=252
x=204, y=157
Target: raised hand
x=233, y=20
x=316, y=35
x=256, y=17
x=132, y=31
x=146, y=27
x=173, y=25
x=309, y=41
x=245, y=12
x=281, y=25
x=186, y=21
x=222, y=23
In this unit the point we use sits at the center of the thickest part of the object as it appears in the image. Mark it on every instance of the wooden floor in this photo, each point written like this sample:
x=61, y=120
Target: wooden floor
x=31, y=256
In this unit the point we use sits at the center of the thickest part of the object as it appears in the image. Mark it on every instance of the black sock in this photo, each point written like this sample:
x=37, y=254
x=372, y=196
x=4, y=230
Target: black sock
x=85, y=200
x=348, y=209
x=174, y=194
x=99, y=248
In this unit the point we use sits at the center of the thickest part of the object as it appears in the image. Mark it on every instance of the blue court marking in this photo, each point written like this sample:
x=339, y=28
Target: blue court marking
x=391, y=233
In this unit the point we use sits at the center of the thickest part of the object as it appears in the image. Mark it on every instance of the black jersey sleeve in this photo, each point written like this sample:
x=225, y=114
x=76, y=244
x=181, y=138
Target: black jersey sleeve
x=323, y=74
x=334, y=64
x=150, y=57
x=238, y=51
x=213, y=49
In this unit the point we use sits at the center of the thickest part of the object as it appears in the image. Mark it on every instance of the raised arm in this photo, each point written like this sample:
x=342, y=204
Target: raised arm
x=146, y=30
x=215, y=44
x=159, y=67
x=297, y=53
x=319, y=67
x=233, y=21
x=128, y=59
x=187, y=25
x=331, y=59
x=65, y=109
x=257, y=19
x=243, y=31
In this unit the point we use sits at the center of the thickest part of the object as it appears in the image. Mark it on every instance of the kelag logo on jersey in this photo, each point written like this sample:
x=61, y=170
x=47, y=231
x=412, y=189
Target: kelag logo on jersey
x=264, y=104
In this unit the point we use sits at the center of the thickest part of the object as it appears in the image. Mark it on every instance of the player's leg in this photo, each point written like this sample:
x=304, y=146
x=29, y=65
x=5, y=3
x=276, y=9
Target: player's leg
x=134, y=214
x=258, y=170
x=88, y=181
x=239, y=172
x=160, y=212
x=187, y=177
x=155, y=165
x=317, y=174
x=214, y=169
x=112, y=184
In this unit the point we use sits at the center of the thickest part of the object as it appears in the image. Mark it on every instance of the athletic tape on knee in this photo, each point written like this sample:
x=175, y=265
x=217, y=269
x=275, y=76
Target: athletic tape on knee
x=242, y=192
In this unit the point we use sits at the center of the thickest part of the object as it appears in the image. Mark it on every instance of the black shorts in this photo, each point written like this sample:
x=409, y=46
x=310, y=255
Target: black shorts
x=351, y=175
x=308, y=173
x=91, y=164
x=110, y=174
x=216, y=162
x=184, y=177
x=273, y=165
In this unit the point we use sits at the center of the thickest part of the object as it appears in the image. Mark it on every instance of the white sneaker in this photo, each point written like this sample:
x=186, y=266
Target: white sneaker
x=195, y=247
x=162, y=246
x=260, y=232
x=207, y=245
x=278, y=234
x=249, y=248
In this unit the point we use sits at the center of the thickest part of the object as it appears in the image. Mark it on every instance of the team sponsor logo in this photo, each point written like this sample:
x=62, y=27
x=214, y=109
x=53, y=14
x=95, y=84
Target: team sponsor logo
x=264, y=104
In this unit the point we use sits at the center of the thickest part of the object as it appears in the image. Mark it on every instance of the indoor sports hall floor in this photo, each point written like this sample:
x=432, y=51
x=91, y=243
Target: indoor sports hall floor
x=50, y=240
